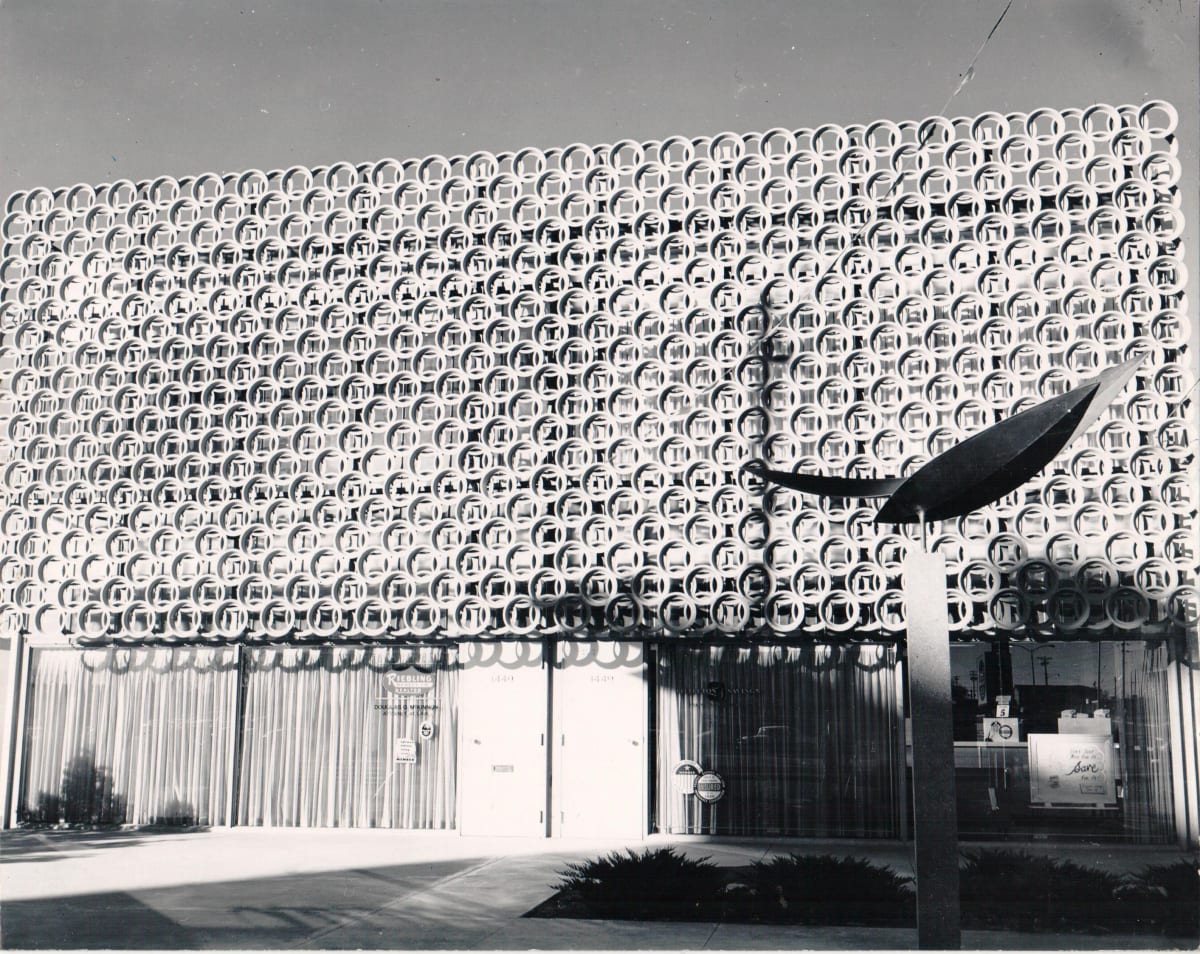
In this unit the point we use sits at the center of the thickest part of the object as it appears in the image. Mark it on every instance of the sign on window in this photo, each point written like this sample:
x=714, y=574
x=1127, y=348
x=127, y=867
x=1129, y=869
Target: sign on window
x=1071, y=770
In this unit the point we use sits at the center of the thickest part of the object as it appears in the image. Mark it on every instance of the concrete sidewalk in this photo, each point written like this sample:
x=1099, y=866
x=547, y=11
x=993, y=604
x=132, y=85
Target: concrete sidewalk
x=348, y=889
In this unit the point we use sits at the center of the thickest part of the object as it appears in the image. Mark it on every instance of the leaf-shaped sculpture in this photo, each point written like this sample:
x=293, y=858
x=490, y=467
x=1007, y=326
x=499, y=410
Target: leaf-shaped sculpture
x=984, y=467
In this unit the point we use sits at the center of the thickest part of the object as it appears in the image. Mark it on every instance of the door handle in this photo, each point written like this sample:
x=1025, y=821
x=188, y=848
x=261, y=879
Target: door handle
x=477, y=742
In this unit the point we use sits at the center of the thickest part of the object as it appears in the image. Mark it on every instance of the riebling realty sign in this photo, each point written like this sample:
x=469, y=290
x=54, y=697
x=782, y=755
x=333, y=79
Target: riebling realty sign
x=408, y=683
x=1071, y=770
x=407, y=691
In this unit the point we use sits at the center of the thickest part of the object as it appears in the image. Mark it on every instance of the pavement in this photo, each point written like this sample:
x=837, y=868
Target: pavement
x=340, y=889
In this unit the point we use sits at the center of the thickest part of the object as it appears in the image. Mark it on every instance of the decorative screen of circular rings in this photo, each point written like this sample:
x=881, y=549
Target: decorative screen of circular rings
x=508, y=395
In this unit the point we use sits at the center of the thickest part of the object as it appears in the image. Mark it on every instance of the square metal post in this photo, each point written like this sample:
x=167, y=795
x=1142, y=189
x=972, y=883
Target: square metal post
x=934, y=811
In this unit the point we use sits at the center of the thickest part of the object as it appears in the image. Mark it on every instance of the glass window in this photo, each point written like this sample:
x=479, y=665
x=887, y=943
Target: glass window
x=1063, y=740
x=792, y=740
x=129, y=736
x=350, y=737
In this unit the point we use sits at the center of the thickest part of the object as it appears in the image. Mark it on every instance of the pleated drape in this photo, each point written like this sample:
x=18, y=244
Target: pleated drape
x=129, y=736
x=1146, y=745
x=804, y=737
x=325, y=738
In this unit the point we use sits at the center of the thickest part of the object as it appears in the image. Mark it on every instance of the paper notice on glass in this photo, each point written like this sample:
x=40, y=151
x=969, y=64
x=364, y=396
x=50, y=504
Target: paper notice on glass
x=1071, y=770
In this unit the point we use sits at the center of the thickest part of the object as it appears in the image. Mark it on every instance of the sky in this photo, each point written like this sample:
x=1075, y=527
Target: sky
x=102, y=89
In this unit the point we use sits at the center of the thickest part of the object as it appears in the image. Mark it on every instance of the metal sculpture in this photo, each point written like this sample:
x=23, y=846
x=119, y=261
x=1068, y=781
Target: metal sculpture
x=982, y=469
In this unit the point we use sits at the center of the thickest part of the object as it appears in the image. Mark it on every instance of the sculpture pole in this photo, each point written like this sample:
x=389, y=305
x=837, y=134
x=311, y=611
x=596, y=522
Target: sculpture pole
x=935, y=815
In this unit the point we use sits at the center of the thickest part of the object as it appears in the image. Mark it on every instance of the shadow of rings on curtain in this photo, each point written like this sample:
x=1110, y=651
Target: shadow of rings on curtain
x=825, y=657
x=508, y=654
x=880, y=654
x=305, y=658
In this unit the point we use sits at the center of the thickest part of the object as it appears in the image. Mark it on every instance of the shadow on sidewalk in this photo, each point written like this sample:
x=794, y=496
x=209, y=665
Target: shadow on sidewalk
x=49, y=844
x=258, y=913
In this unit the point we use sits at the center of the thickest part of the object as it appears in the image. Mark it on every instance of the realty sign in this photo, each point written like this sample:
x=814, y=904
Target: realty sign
x=685, y=775
x=710, y=787
x=408, y=683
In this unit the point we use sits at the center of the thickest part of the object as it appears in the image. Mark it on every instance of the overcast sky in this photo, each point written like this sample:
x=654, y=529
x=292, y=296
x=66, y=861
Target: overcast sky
x=99, y=89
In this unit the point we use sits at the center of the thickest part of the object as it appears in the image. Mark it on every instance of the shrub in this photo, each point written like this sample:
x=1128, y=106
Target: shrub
x=653, y=883
x=176, y=814
x=1012, y=890
x=1015, y=889
x=828, y=889
x=1165, y=898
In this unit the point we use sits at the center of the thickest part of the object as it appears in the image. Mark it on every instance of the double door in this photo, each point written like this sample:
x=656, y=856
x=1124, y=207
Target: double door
x=553, y=750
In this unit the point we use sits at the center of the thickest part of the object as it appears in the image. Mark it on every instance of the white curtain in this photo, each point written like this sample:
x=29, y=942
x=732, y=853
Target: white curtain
x=335, y=737
x=1146, y=744
x=804, y=737
x=129, y=736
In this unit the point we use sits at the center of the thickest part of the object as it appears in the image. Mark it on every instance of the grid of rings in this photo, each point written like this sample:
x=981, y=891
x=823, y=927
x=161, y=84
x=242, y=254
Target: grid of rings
x=507, y=395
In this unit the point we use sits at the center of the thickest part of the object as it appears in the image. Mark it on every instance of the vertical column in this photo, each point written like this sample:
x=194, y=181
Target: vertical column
x=902, y=750
x=18, y=679
x=550, y=654
x=934, y=812
x=237, y=729
x=1181, y=705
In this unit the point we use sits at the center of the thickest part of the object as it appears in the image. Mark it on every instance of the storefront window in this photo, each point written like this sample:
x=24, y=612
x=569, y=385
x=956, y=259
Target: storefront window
x=1063, y=739
x=350, y=737
x=778, y=740
x=129, y=736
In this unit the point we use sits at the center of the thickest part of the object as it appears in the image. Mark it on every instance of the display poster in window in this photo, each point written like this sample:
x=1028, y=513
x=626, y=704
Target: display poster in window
x=1002, y=731
x=1071, y=770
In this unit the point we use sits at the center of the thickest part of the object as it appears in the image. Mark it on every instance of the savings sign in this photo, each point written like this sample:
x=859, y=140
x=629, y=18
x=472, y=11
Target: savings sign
x=1071, y=770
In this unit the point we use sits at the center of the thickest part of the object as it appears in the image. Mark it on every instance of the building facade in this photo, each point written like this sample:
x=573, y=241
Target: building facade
x=411, y=494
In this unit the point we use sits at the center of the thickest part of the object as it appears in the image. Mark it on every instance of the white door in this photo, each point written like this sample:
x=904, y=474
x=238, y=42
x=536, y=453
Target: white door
x=600, y=740
x=503, y=723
